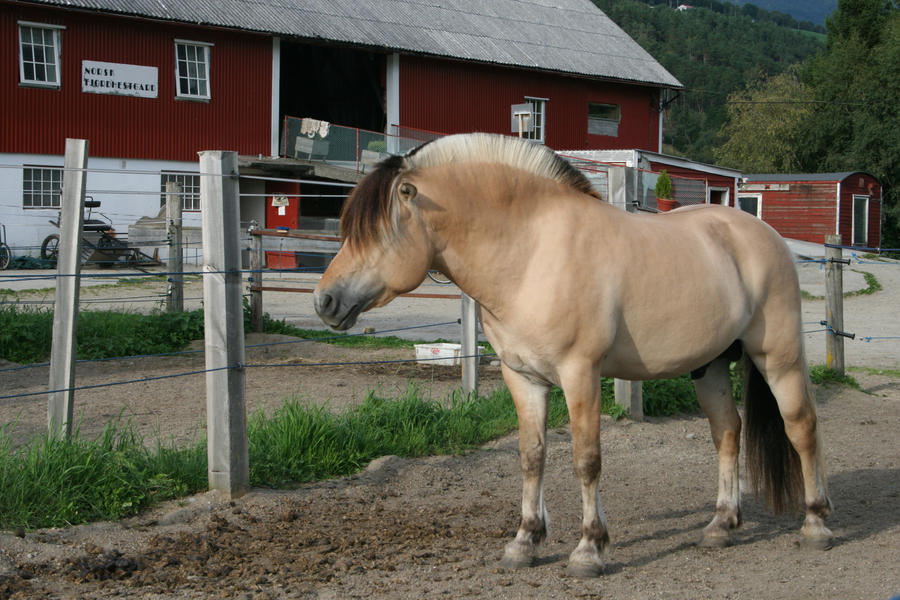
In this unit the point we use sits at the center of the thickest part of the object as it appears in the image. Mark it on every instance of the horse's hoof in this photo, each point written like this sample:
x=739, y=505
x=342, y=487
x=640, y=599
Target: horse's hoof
x=715, y=541
x=819, y=543
x=584, y=570
x=517, y=556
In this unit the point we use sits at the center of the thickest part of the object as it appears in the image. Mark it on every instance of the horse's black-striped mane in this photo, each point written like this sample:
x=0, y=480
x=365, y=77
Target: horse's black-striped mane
x=367, y=211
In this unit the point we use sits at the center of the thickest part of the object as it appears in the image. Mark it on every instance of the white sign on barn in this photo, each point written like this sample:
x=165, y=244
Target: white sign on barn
x=119, y=79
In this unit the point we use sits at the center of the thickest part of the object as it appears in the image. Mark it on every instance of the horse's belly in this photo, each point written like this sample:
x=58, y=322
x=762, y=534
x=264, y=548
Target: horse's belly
x=662, y=352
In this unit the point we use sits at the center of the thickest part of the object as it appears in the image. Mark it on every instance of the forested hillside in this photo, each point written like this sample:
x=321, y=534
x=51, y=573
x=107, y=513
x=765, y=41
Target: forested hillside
x=764, y=98
x=713, y=54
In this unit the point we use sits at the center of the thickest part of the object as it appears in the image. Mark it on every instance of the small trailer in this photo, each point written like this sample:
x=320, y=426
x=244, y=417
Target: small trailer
x=99, y=242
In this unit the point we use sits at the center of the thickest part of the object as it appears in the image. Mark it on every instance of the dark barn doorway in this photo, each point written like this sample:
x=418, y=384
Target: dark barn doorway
x=344, y=86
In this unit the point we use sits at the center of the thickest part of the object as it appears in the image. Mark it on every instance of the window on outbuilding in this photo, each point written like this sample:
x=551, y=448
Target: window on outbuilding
x=860, y=220
x=192, y=70
x=538, y=119
x=41, y=187
x=39, y=54
x=603, y=119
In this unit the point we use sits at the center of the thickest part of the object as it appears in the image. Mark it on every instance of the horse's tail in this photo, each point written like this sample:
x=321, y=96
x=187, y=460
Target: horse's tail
x=772, y=463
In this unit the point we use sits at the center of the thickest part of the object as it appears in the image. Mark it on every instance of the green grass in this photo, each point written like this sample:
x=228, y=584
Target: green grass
x=336, y=338
x=872, y=286
x=871, y=371
x=26, y=333
x=52, y=483
x=821, y=375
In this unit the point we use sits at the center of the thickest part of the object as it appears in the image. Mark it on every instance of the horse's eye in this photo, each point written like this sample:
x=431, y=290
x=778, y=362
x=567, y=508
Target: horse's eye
x=407, y=191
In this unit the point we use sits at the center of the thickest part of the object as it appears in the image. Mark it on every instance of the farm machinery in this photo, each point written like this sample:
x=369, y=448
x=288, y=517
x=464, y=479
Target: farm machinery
x=99, y=242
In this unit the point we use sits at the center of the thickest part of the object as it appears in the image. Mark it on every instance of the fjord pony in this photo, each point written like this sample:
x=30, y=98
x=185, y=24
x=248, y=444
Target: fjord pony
x=572, y=289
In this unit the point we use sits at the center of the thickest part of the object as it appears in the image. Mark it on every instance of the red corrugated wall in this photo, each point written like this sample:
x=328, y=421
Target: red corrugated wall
x=454, y=97
x=806, y=211
x=35, y=120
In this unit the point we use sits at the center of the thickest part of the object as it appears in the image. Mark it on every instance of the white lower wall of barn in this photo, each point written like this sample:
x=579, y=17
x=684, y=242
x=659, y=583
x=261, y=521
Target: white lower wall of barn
x=128, y=190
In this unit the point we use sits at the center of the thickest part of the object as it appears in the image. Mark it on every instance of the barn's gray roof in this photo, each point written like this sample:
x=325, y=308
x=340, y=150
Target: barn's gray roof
x=569, y=36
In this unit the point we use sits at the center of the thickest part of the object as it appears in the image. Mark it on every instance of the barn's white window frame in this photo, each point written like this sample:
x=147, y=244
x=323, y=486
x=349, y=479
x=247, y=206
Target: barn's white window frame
x=538, y=119
x=865, y=232
x=41, y=186
x=604, y=118
x=759, y=203
x=192, y=70
x=39, y=54
x=190, y=189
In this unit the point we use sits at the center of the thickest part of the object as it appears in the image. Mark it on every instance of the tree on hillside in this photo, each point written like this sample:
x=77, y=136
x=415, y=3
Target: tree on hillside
x=856, y=80
x=713, y=54
x=764, y=124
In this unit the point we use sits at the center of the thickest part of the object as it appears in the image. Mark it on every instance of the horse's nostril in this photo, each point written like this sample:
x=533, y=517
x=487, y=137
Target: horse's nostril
x=323, y=303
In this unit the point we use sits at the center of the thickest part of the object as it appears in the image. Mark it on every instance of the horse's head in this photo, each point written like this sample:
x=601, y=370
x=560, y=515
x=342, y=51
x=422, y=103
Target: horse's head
x=386, y=250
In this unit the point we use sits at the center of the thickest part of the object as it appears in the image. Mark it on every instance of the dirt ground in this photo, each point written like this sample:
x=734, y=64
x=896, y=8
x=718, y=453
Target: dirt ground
x=435, y=527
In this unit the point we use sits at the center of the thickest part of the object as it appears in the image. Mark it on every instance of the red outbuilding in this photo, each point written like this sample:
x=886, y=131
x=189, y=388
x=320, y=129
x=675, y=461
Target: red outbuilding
x=812, y=205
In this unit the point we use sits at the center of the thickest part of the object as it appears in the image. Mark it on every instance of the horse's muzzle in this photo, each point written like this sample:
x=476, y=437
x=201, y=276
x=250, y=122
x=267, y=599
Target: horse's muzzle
x=338, y=310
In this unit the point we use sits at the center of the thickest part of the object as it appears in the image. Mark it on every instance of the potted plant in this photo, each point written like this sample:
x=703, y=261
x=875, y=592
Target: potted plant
x=664, y=195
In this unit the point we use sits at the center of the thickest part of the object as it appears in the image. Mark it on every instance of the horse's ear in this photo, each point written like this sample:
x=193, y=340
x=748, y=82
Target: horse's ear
x=407, y=191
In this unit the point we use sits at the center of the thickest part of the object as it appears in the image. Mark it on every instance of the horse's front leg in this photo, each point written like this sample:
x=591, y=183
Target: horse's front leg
x=530, y=398
x=582, y=390
x=713, y=389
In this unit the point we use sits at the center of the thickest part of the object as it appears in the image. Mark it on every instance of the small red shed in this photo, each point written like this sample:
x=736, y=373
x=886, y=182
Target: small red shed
x=809, y=206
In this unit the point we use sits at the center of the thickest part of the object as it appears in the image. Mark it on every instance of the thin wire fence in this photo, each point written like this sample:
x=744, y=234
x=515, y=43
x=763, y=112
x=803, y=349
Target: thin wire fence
x=856, y=253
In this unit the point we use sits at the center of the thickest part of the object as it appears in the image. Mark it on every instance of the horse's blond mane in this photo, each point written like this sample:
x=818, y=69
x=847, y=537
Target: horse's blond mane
x=514, y=152
x=367, y=213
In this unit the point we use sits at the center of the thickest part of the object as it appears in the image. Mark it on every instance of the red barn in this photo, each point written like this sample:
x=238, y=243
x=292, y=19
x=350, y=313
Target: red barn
x=810, y=206
x=150, y=84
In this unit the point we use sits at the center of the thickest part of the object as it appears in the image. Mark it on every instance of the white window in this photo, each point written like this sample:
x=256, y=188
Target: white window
x=538, y=118
x=190, y=190
x=41, y=187
x=860, y=220
x=39, y=54
x=603, y=119
x=751, y=203
x=192, y=70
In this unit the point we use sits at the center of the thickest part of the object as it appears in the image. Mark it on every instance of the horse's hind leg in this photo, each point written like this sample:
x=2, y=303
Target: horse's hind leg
x=717, y=401
x=784, y=449
x=790, y=386
x=530, y=398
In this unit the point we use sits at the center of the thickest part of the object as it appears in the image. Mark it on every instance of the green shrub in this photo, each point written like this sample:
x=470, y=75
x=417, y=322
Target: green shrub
x=663, y=187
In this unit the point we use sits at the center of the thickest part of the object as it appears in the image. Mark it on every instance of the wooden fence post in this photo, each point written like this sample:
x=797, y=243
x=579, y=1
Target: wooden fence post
x=629, y=394
x=834, y=305
x=226, y=417
x=175, y=260
x=469, y=344
x=68, y=281
x=256, y=277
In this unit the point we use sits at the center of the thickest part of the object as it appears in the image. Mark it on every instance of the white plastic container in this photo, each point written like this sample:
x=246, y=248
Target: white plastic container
x=440, y=354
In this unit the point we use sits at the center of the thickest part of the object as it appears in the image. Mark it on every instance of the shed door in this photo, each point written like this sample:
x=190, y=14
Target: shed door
x=860, y=220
